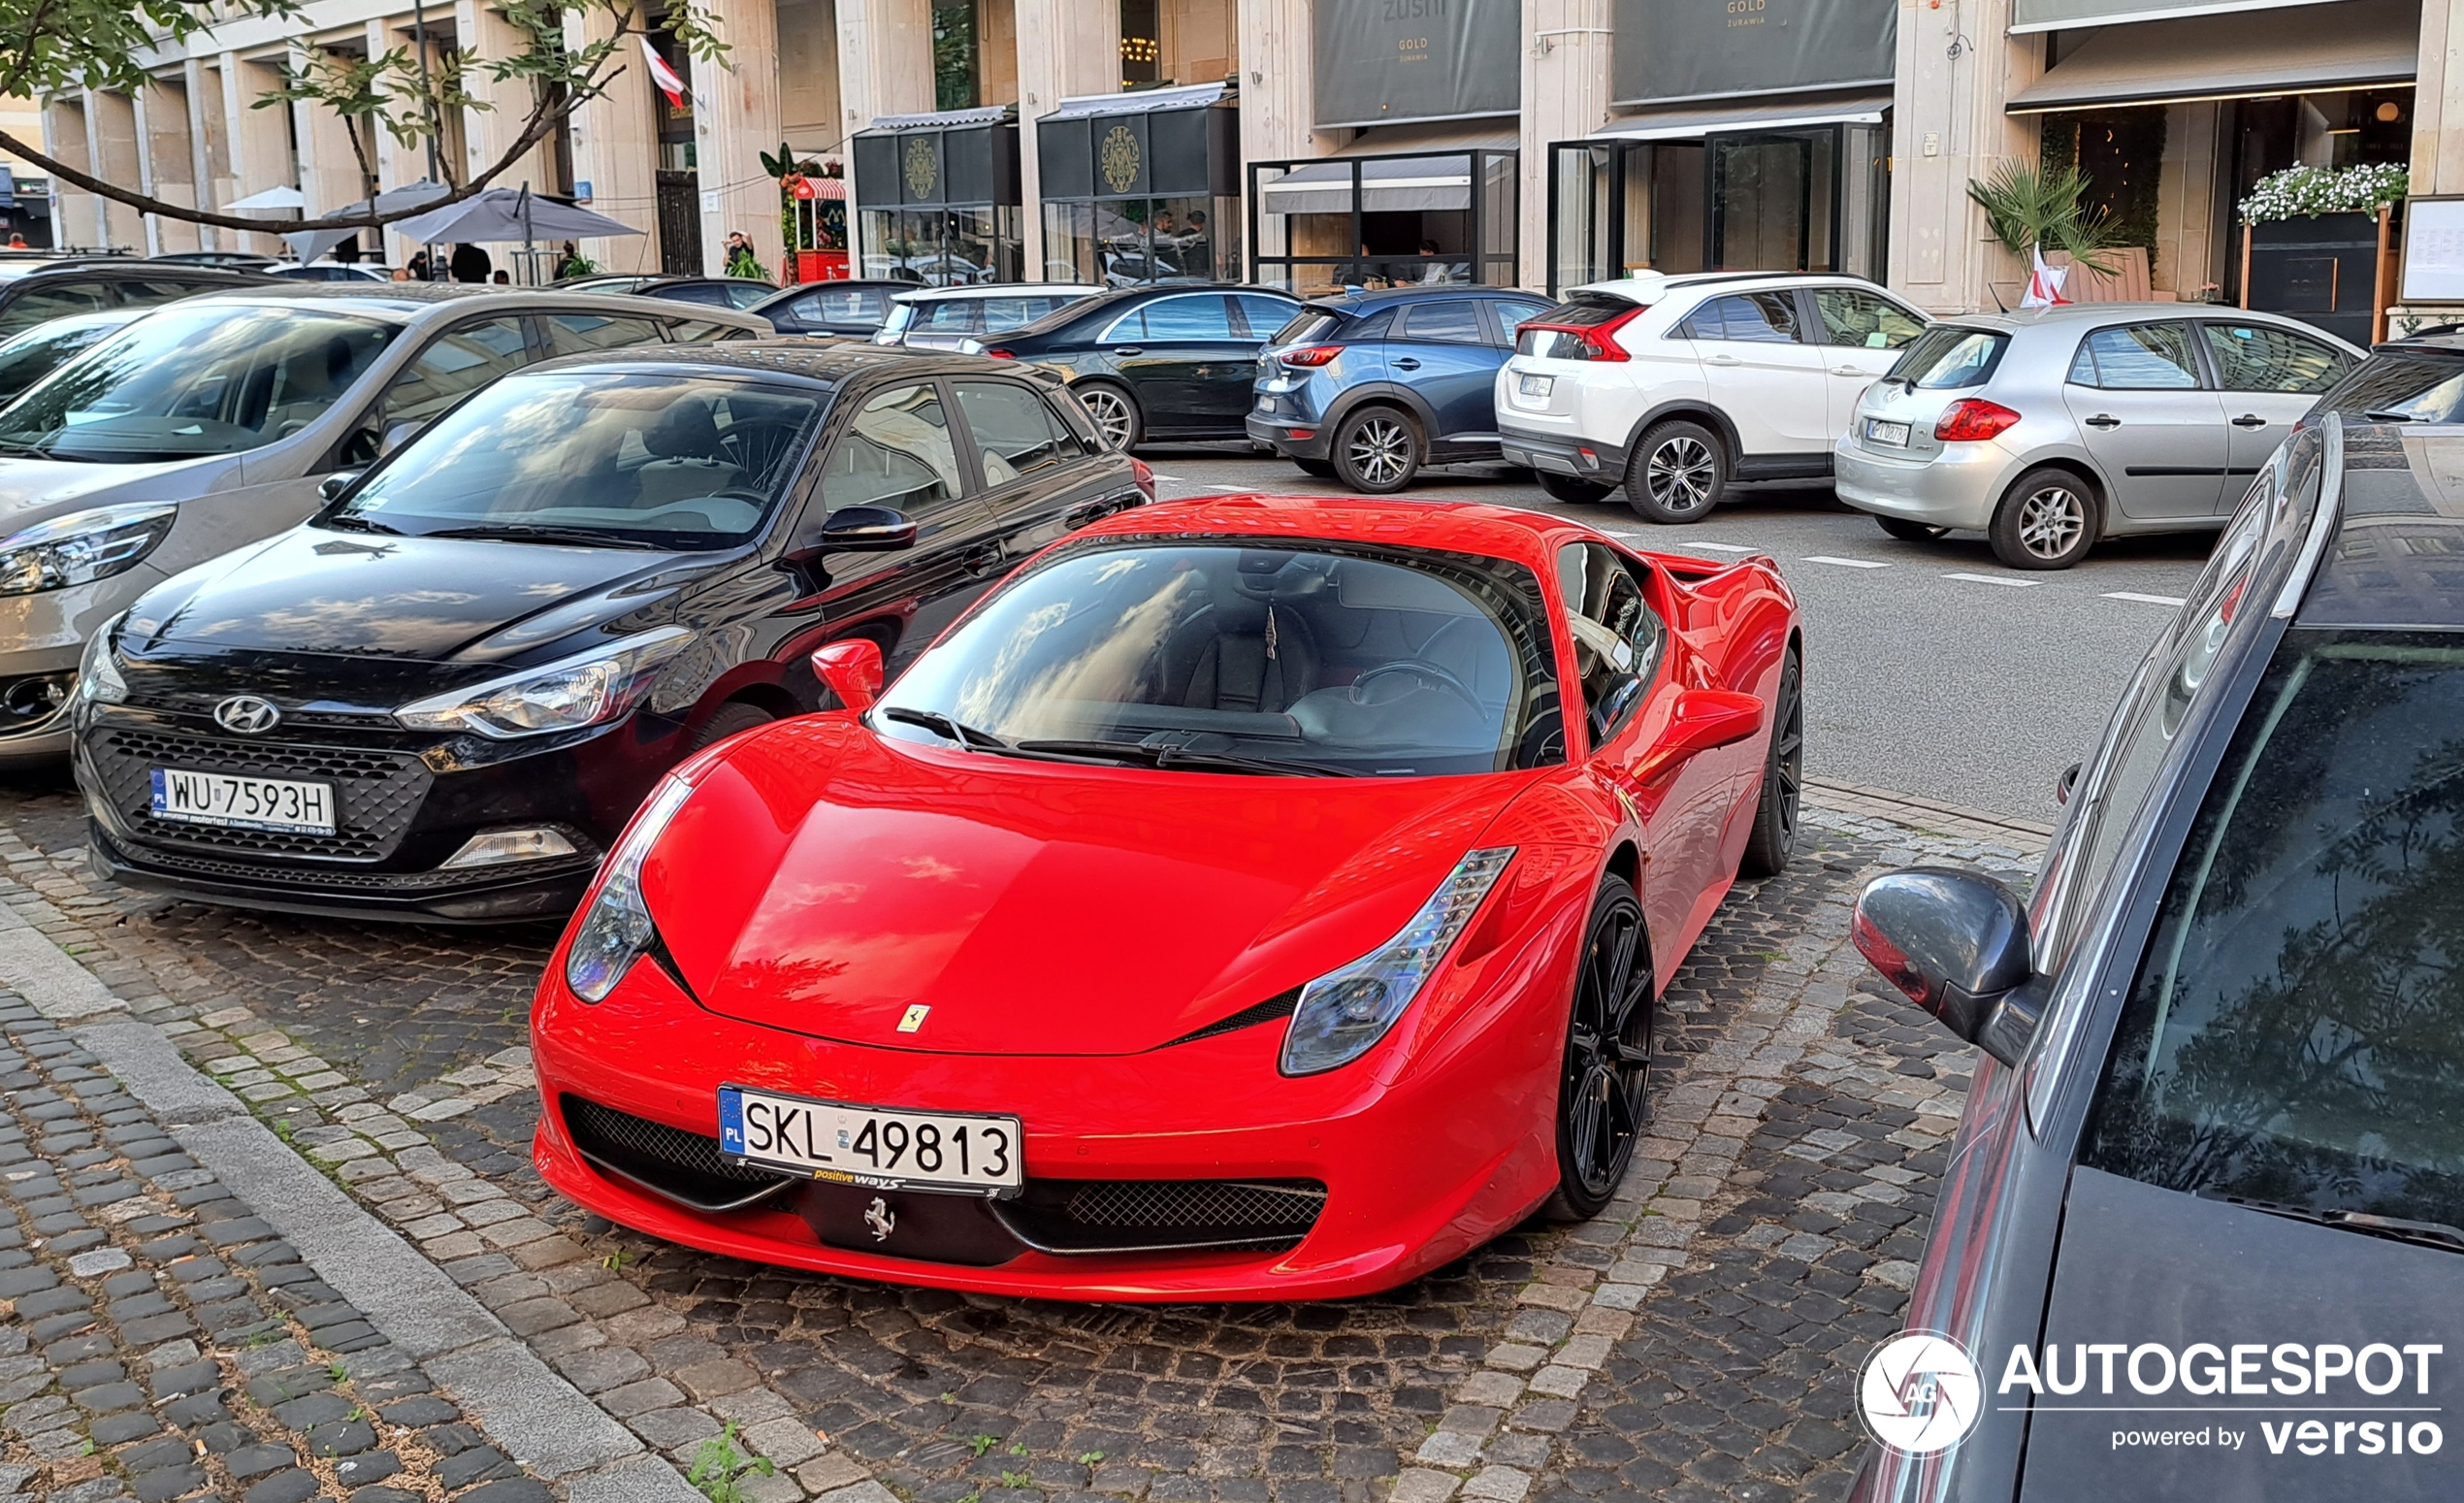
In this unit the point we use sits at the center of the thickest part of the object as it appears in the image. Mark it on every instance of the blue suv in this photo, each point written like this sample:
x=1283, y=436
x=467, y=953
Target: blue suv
x=1370, y=387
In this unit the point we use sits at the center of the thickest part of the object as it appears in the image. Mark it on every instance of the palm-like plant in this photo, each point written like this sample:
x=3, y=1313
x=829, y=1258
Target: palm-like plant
x=2028, y=207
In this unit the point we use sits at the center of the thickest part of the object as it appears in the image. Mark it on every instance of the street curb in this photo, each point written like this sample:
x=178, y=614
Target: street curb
x=541, y=1420
x=1927, y=813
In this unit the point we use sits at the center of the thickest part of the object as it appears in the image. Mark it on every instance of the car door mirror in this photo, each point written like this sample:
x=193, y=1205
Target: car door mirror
x=397, y=435
x=853, y=670
x=1956, y=943
x=1703, y=720
x=858, y=530
x=332, y=487
x=2067, y=784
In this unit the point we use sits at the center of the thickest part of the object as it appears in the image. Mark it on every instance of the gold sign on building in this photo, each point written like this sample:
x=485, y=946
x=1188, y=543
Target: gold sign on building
x=1117, y=159
x=921, y=168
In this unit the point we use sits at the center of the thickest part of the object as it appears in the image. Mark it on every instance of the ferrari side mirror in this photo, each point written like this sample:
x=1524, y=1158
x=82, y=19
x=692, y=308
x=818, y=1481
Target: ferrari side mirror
x=1956, y=942
x=853, y=670
x=1703, y=720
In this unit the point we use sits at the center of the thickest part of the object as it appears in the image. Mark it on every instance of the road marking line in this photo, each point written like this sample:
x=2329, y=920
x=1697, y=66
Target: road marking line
x=1716, y=547
x=2146, y=600
x=1845, y=563
x=2004, y=582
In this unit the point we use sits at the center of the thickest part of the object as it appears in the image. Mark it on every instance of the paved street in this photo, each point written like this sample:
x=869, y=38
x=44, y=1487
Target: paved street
x=1698, y=1341
x=1931, y=669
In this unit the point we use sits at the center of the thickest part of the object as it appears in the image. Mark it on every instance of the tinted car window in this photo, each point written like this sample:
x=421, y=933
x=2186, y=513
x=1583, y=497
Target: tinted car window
x=1263, y=313
x=2261, y=357
x=1305, y=326
x=2136, y=357
x=898, y=453
x=1510, y=312
x=701, y=292
x=2413, y=385
x=2295, y=1033
x=744, y=292
x=846, y=305
x=1851, y=315
x=950, y=315
x=148, y=291
x=1455, y=322
x=1187, y=317
x=1617, y=639
x=457, y=363
x=1756, y=319
x=1016, y=434
x=37, y=304
x=582, y=333
x=1947, y=358
x=37, y=352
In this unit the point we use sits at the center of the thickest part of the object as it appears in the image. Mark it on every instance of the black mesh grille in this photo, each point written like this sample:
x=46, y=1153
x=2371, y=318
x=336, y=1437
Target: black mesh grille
x=1112, y=1215
x=1280, y=1005
x=327, y=879
x=682, y=1165
x=376, y=793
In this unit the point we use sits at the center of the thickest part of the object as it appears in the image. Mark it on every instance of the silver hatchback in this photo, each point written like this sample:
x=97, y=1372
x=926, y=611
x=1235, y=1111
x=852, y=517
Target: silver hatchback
x=2048, y=430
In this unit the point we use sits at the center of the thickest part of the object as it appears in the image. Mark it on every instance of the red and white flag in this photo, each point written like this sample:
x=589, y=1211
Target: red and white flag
x=663, y=76
x=2045, y=283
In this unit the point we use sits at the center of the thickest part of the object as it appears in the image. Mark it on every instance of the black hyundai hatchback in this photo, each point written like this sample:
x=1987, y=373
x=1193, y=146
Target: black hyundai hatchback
x=1174, y=361
x=442, y=697
x=2202, y=1234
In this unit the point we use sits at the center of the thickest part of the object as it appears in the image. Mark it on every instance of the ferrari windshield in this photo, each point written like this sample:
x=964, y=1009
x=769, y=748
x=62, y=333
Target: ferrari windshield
x=196, y=378
x=1273, y=657
x=2296, y=1033
x=630, y=459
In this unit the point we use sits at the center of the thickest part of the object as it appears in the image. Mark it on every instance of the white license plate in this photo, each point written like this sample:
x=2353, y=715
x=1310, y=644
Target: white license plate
x=244, y=803
x=1537, y=386
x=868, y=1146
x=1879, y=432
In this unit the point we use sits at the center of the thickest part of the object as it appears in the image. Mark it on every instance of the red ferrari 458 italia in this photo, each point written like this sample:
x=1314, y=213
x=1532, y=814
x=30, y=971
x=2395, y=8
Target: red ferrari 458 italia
x=1251, y=899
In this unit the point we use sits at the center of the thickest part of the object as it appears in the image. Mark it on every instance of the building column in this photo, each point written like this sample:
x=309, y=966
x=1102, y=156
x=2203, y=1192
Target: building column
x=885, y=67
x=208, y=155
x=74, y=210
x=259, y=143
x=616, y=149
x=736, y=119
x=110, y=145
x=1565, y=59
x=1065, y=48
x=2438, y=101
x=166, y=163
x=483, y=32
x=330, y=175
x=1278, y=81
x=1948, y=127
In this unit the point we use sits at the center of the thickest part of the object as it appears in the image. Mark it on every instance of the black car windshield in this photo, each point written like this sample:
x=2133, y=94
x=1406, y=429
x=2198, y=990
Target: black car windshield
x=1217, y=655
x=42, y=349
x=634, y=457
x=193, y=380
x=2296, y=1031
x=2403, y=385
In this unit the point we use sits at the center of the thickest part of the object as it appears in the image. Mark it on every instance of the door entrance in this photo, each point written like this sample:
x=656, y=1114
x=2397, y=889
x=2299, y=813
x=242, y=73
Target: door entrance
x=1770, y=201
x=679, y=224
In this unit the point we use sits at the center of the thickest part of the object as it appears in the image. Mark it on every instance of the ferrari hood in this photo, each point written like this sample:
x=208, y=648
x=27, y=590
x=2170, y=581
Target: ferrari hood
x=825, y=882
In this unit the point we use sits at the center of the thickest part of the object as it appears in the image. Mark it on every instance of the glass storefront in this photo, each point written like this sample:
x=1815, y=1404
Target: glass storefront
x=1140, y=187
x=1800, y=198
x=937, y=199
x=1399, y=219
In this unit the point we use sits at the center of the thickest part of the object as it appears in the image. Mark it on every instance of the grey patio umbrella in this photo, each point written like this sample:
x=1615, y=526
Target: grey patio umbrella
x=500, y=214
x=308, y=244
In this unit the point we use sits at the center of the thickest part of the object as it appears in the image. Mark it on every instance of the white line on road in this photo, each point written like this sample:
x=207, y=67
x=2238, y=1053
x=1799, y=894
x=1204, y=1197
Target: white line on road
x=1845, y=563
x=1715, y=547
x=2144, y=600
x=2003, y=580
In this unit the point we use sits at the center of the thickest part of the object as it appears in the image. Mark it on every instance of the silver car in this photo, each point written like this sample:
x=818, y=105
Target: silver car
x=2049, y=429
x=958, y=318
x=214, y=421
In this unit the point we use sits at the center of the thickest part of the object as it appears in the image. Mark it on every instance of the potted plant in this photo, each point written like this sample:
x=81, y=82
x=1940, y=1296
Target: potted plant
x=2028, y=209
x=2310, y=244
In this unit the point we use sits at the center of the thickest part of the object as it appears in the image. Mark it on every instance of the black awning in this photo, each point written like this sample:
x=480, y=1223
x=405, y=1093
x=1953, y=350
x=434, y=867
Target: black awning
x=1165, y=143
x=958, y=159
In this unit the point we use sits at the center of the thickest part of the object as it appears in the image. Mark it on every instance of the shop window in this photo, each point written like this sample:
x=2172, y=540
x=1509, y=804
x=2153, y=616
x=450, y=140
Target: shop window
x=956, y=55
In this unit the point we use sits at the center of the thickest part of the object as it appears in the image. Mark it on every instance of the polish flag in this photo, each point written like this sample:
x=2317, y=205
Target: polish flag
x=2045, y=283
x=663, y=76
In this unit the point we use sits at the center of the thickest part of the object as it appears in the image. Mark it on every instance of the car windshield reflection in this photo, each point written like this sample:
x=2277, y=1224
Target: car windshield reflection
x=1210, y=654
x=625, y=459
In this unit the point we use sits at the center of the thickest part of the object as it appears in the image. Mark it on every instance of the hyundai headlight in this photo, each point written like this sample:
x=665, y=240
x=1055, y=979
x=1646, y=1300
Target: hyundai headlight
x=599, y=685
x=98, y=674
x=82, y=546
x=615, y=930
x=1343, y=1012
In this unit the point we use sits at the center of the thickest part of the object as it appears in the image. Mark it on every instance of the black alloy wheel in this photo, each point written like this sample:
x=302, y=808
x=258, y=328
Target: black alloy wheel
x=1115, y=410
x=1573, y=489
x=1909, y=531
x=1600, y=1093
x=1773, y=839
x=1377, y=450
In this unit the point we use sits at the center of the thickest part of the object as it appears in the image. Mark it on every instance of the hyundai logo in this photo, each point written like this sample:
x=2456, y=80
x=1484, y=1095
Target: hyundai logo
x=246, y=714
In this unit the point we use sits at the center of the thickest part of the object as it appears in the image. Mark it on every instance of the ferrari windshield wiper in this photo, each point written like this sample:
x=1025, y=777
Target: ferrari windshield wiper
x=2395, y=1229
x=1138, y=752
x=525, y=532
x=966, y=735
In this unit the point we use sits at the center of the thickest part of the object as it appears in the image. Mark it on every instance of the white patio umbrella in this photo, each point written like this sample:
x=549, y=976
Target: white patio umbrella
x=270, y=201
x=308, y=244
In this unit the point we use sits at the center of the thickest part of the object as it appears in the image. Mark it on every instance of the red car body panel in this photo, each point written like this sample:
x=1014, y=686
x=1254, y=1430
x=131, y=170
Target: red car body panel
x=1066, y=924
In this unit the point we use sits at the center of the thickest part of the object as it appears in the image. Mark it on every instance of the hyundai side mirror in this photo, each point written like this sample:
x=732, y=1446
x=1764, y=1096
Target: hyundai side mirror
x=1703, y=720
x=853, y=670
x=859, y=530
x=332, y=487
x=1956, y=942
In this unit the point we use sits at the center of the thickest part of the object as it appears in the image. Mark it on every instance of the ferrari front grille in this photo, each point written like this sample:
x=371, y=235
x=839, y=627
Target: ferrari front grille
x=684, y=1166
x=1149, y=1215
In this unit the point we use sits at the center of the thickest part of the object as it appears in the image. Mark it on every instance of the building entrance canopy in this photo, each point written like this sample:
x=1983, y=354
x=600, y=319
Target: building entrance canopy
x=1142, y=188
x=937, y=198
x=2352, y=44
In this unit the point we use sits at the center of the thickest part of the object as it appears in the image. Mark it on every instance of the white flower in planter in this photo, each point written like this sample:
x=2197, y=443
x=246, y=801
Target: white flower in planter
x=2299, y=192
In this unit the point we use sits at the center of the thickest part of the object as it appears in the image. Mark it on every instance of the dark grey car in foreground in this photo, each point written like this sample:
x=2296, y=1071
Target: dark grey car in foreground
x=2203, y=1229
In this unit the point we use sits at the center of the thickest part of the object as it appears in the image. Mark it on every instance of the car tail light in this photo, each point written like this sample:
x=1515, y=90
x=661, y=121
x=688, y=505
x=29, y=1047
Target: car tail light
x=1145, y=477
x=1972, y=419
x=1578, y=341
x=998, y=353
x=1310, y=357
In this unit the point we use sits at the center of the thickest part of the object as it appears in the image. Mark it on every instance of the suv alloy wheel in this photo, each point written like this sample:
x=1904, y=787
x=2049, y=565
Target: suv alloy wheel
x=1678, y=472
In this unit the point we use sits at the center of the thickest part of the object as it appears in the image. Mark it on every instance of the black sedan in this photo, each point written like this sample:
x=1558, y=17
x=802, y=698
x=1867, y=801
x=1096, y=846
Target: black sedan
x=736, y=292
x=442, y=696
x=1173, y=362
x=2200, y=1235
x=844, y=310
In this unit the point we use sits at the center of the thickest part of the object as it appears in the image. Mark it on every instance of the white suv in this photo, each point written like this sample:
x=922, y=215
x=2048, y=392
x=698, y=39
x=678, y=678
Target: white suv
x=1673, y=386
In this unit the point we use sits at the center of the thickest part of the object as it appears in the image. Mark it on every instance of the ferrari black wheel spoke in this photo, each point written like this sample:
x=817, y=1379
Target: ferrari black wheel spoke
x=1607, y=1054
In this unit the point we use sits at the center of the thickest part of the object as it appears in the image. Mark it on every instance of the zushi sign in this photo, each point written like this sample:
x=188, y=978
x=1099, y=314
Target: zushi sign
x=1381, y=61
x=1670, y=50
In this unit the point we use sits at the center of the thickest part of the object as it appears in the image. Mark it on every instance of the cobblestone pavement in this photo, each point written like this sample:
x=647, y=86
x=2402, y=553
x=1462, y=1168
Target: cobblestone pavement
x=1698, y=1340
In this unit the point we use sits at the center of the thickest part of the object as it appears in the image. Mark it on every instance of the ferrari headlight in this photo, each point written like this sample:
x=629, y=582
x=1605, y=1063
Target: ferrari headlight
x=615, y=930
x=82, y=546
x=602, y=684
x=98, y=676
x=1343, y=1012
